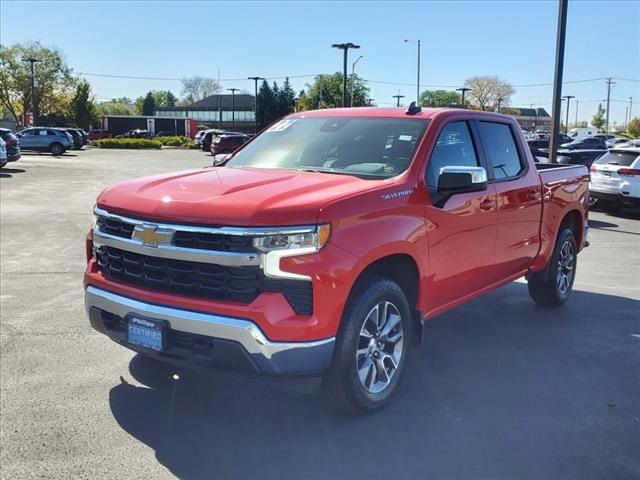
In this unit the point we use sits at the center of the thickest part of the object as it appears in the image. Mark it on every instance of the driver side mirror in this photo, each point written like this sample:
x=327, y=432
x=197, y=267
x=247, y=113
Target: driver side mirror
x=461, y=179
x=220, y=159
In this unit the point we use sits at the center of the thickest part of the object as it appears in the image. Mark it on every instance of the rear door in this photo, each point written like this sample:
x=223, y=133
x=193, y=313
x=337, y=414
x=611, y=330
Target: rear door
x=518, y=194
x=462, y=231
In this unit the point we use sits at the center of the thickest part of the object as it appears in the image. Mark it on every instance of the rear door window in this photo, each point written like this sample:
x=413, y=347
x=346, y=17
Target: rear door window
x=500, y=147
x=454, y=147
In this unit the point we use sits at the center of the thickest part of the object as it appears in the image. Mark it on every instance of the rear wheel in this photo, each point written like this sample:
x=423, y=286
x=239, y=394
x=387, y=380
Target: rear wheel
x=56, y=149
x=557, y=288
x=371, y=348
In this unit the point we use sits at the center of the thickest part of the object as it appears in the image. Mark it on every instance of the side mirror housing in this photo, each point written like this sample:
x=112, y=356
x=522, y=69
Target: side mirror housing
x=220, y=159
x=461, y=179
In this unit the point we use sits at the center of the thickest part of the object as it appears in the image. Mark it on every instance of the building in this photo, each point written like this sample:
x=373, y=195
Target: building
x=226, y=112
x=530, y=118
x=177, y=125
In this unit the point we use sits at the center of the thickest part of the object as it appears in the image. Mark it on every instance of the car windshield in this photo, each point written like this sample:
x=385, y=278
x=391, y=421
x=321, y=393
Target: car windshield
x=365, y=147
x=624, y=159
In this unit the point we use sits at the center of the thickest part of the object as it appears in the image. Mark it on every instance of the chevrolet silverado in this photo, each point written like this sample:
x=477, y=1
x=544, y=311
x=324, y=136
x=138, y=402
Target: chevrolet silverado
x=321, y=246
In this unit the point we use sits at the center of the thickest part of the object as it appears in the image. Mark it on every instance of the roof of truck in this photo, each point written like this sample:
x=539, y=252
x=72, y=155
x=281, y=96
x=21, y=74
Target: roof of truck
x=386, y=112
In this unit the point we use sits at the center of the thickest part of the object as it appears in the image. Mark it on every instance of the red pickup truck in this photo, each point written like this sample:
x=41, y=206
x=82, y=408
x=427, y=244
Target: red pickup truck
x=323, y=244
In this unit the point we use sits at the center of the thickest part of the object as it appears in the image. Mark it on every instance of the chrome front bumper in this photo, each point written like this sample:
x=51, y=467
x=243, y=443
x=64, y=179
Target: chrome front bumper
x=265, y=355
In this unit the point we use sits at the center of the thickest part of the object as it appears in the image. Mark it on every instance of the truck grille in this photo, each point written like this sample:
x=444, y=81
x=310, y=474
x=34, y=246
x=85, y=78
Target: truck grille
x=184, y=238
x=237, y=284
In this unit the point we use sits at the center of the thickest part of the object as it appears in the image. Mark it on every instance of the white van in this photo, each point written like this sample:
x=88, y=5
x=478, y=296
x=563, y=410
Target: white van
x=580, y=133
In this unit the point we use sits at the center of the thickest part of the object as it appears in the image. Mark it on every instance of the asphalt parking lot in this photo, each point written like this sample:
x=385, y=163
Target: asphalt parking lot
x=500, y=390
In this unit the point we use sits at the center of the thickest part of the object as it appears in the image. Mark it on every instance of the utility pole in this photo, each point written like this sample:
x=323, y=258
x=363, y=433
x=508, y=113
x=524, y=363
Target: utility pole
x=32, y=61
x=557, y=80
x=577, y=103
x=345, y=48
x=566, y=125
x=463, y=90
x=353, y=75
x=499, y=103
x=233, y=106
x=398, y=97
x=609, y=83
x=630, y=107
x=626, y=114
x=255, y=85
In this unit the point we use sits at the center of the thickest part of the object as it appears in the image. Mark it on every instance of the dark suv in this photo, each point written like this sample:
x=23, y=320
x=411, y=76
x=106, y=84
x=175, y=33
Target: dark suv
x=228, y=143
x=13, y=144
x=589, y=143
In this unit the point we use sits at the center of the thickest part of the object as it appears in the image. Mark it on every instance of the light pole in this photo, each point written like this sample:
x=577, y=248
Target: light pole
x=418, y=85
x=577, y=105
x=566, y=125
x=255, y=85
x=398, y=97
x=345, y=48
x=353, y=76
x=32, y=61
x=463, y=90
x=233, y=106
x=557, y=80
x=630, y=107
x=535, y=116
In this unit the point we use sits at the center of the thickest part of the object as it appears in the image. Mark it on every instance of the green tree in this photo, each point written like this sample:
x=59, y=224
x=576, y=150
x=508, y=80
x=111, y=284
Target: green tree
x=487, y=91
x=149, y=104
x=266, y=105
x=55, y=83
x=326, y=92
x=285, y=99
x=82, y=110
x=598, y=119
x=439, y=98
x=633, y=128
x=117, y=106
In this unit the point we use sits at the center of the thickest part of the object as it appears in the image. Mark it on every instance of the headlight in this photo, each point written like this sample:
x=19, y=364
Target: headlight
x=314, y=240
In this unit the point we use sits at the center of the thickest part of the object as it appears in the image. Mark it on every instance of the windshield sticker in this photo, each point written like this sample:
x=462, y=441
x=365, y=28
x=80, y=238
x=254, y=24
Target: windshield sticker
x=281, y=126
x=405, y=138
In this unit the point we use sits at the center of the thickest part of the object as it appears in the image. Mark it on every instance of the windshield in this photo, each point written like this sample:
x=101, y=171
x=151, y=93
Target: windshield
x=624, y=159
x=362, y=146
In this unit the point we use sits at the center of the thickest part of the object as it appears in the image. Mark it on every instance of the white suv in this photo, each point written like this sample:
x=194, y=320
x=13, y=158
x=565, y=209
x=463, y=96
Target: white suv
x=615, y=179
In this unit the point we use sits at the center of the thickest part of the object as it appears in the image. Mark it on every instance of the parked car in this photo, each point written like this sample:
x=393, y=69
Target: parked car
x=228, y=143
x=12, y=144
x=629, y=144
x=604, y=136
x=78, y=139
x=589, y=143
x=85, y=136
x=199, y=136
x=322, y=245
x=45, y=139
x=99, y=134
x=136, y=134
x=3, y=153
x=579, y=157
x=615, y=179
x=616, y=141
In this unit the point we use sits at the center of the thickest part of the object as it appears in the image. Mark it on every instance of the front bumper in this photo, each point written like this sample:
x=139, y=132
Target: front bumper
x=204, y=339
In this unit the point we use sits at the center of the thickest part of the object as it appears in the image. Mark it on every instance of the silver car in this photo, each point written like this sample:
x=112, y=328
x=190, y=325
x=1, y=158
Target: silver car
x=45, y=139
x=3, y=153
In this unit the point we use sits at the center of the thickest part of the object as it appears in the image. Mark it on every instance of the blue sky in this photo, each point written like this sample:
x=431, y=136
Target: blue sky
x=172, y=39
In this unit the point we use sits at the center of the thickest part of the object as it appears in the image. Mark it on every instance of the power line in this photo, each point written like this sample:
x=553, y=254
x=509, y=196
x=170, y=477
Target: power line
x=171, y=79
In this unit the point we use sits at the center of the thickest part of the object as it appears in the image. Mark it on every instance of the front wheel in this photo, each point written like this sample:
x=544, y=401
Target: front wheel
x=557, y=288
x=57, y=149
x=371, y=349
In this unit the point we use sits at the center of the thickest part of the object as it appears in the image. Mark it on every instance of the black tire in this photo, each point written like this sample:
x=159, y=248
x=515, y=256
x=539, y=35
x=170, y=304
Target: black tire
x=557, y=288
x=342, y=384
x=56, y=149
x=610, y=206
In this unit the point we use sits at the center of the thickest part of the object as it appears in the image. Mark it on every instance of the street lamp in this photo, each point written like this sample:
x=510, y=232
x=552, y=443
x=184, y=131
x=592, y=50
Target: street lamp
x=463, y=90
x=535, y=116
x=353, y=75
x=255, y=113
x=233, y=106
x=398, y=97
x=407, y=40
x=345, y=48
x=32, y=61
x=566, y=125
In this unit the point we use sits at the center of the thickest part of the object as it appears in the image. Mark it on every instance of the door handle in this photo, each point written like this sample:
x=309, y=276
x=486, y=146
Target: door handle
x=487, y=204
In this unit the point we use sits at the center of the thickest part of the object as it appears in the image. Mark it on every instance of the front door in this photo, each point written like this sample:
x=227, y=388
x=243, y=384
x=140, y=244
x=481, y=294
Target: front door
x=462, y=231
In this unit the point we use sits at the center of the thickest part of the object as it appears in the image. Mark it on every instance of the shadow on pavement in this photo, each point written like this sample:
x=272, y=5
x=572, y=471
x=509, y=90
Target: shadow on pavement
x=500, y=389
x=8, y=172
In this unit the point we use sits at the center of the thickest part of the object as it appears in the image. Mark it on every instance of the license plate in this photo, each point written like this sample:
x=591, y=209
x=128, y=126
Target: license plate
x=146, y=333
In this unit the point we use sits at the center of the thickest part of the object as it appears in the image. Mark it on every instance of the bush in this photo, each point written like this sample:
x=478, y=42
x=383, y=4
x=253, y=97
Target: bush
x=633, y=128
x=176, y=141
x=129, y=143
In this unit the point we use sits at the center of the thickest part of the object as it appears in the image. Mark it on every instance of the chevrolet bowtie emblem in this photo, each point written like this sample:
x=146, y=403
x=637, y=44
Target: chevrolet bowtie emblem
x=152, y=236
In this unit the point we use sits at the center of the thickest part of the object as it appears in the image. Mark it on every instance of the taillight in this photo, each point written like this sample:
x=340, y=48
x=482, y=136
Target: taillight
x=592, y=168
x=629, y=172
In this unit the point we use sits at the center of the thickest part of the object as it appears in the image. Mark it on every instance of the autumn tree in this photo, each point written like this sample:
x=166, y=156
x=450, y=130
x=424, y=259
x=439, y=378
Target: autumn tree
x=487, y=91
x=55, y=84
x=633, y=128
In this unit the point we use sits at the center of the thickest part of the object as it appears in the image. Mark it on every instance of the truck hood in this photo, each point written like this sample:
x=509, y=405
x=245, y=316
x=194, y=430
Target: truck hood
x=231, y=196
